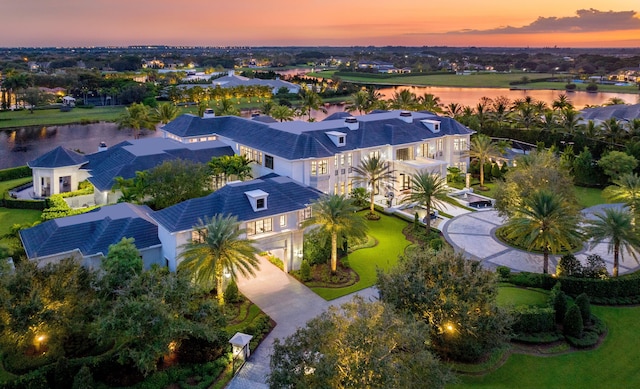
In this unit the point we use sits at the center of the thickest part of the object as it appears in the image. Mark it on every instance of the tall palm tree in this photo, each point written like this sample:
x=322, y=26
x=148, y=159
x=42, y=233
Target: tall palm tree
x=359, y=102
x=613, y=130
x=544, y=221
x=428, y=190
x=226, y=108
x=453, y=110
x=405, y=99
x=165, y=113
x=310, y=100
x=335, y=215
x=219, y=250
x=483, y=149
x=561, y=102
x=282, y=113
x=372, y=171
x=626, y=190
x=616, y=226
x=430, y=102
x=137, y=117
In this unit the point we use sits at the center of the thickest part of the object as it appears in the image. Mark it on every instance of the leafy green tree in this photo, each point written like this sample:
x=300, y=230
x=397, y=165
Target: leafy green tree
x=569, y=266
x=372, y=171
x=360, y=102
x=584, y=168
x=534, y=171
x=360, y=345
x=483, y=149
x=360, y=196
x=335, y=218
x=220, y=249
x=545, y=222
x=35, y=97
x=175, y=181
x=122, y=263
x=615, y=226
x=616, y=164
x=455, y=296
x=137, y=117
x=428, y=190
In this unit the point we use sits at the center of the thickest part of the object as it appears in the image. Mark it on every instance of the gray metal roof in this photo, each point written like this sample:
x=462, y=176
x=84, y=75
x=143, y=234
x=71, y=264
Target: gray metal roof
x=92, y=232
x=618, y=111
x=299, y=140
x=285, y=195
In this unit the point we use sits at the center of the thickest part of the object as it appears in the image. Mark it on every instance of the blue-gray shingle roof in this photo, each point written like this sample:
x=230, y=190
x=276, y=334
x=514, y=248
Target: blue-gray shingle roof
x=93, y=232
x=285, y=195
x=58, y=157
x=299, y=140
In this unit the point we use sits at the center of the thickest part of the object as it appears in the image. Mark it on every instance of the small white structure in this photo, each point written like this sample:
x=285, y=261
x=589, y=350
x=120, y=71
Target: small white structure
x=68, y=101
x=241, y=350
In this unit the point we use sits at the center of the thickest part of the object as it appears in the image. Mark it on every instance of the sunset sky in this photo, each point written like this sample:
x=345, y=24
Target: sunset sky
x=541, y=23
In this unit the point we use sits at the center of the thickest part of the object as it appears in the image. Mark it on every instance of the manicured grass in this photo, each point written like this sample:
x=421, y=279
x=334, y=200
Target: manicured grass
x=391, y=243
x=513, y=296
x=9, y=217
x=612, y=365
x=6, y=185
x=23, y=118
x=579, y=87
x=588, y=197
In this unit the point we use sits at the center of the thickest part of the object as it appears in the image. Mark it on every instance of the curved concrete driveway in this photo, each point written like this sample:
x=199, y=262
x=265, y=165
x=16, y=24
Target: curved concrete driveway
x=474, y=233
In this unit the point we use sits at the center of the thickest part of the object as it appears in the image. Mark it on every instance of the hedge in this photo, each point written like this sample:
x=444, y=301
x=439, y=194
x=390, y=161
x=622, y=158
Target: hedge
x=14, y=173
x=384, y=76
x=624, y=290
x=534, y=320
x=24, y=204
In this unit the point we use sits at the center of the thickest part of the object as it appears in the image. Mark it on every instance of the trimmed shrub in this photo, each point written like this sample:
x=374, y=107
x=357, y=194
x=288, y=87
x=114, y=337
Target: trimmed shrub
x=24, y=204
x=572, y=323
x=582, y=302
x=231, y=293
x=538, y=338
x=534, y=320
x=560, y=306
x=436, y=244
x=15, y=172
x=305, y=271
x=588, y=339
x=84, y=379
x=569, y=266
x=504, y=272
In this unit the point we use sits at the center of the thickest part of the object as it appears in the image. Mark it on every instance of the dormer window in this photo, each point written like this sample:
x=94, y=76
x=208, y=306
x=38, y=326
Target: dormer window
x=257, y=199
x=432, y=125
x=338, y=138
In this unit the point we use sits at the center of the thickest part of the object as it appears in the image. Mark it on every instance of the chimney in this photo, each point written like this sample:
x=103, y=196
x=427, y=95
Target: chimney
x=351, y=123
x=102, y=147
x=406, y=116
x=208, y=114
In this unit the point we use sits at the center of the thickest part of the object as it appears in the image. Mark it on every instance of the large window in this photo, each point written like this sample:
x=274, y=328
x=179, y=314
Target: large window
x=405, y=181
x=268, y=161
x=259, y=227
x=305, y=214
x=460, y=144
x=251, y=154
x=403, y=154
x=283, y=220
x=319, y=167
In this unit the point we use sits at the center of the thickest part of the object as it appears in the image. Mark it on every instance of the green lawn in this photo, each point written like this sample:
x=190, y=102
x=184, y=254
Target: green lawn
x=612, y=365
x=391, y=243
x=9, y=217
x=513, y=296
x=588, y=197
x=579, y=87
x=6, y=185
x=23, y=118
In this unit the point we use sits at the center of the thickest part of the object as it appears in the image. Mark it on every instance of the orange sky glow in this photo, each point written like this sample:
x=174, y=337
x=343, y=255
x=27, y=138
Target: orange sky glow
x=543, y=23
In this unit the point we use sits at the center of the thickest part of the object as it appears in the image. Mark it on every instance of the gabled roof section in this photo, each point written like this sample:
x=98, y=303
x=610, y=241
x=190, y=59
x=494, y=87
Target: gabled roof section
x=618, y=111
x=285, y=195
x=93, y=232
x=58, y=157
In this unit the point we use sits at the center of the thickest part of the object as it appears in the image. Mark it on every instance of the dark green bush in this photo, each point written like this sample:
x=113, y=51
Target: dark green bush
x=560, y=306
x=588, y=339
x=305, y=271
x=582, y=302
x=317, y=248
x=159, y=379
x=231, y=293
x=84, y=379
x=533, y=320
x=24, y=204
x=14, y=173
x=436, y=244
x=538, y=338
x=569, y=266
x=595, y=267
x=572, y=323
x=504, y=272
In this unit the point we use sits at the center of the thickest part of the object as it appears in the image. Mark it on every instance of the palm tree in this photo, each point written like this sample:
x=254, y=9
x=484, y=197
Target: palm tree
x=453, y=110
x=483, y=149
x=165, y=113
x=430, y=102
x=626, y=190
x=282, y=113
x=405, y=99
x=616, y=226
x=615, y=101
x=372, y=171
x=613, y=130
x=561, y=102
x=544, y=221
x=226, y=108
x=219, y=251
x=359, y=102
x=310, y=100
x=137, y=117
x=428, y=190
x=335, y=215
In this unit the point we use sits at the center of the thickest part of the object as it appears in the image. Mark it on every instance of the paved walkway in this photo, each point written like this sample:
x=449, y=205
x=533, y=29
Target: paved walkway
x=474, y=233
x=290, y=304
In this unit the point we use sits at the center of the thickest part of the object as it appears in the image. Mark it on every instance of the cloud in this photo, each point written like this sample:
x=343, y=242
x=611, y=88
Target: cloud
x=586, y=20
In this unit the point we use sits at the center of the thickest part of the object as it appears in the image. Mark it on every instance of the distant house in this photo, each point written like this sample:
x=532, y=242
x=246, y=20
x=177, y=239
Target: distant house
x=631, y=74
x=233, y=80
x=270, y=209
x=382, y=67
x=87, y=237
x=622, y=112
